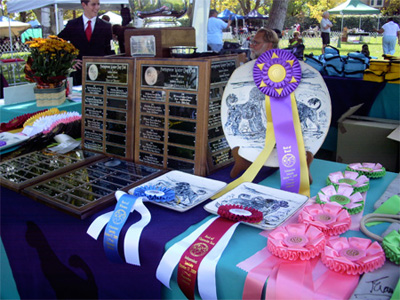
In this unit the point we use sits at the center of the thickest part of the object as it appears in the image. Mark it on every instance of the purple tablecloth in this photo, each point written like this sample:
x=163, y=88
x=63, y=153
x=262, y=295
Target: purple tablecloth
x=51, y=255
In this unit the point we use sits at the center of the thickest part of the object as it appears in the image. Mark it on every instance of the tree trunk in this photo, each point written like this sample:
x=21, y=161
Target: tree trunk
x=245, y=5
x=277, y=14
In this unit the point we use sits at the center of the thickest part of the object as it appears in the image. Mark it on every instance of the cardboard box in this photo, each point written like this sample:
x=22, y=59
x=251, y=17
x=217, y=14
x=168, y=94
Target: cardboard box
x=365, y=139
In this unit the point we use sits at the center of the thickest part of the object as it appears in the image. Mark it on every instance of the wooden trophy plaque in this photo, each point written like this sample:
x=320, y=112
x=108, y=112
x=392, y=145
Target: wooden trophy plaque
x=108, y=106
x=178, y=123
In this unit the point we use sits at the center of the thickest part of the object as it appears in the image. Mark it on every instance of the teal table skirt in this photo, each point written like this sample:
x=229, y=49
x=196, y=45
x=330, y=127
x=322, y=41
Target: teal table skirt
x=8, y=288
x=387, y=104
x=247, y=240
x=9, y=112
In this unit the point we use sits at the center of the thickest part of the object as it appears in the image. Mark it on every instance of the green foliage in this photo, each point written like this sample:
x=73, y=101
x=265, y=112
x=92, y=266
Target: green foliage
x=368, y=23
x=392, y=9
x=51, y=59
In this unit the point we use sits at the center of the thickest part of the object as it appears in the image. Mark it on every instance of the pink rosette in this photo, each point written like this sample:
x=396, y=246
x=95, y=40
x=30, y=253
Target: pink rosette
x=371, y=170
x=359, y=182
x=296, y=241
x=353, y=256
x=352, y=201
x=277, y=73
x=330, y=218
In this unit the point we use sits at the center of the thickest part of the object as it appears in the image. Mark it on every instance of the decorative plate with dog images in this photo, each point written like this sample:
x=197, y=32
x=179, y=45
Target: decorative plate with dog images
x=190, y=190
x=276, y=205
x=244, y=119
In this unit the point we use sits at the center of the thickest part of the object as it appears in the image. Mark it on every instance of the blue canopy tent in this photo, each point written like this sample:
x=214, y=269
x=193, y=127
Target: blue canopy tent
x=227, y=14
x=254, y=14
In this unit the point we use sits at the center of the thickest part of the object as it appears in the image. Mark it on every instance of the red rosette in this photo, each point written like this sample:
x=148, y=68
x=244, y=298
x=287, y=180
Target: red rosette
x=353, y=256
x=238, y=213
x=296, y=241
x=330, y=218
x=17, y=122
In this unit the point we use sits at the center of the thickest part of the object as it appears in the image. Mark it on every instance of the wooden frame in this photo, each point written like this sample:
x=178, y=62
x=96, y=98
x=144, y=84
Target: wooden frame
x=86, y=190
x=178, y=123
x=28, y=169
x=108, y=105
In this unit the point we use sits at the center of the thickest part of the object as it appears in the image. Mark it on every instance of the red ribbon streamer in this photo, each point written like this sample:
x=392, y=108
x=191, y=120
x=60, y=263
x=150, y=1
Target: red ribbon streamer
x=190, y=261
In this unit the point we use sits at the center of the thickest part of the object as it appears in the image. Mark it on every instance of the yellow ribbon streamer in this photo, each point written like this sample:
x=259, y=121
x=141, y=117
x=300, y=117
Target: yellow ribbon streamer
x=255, y=167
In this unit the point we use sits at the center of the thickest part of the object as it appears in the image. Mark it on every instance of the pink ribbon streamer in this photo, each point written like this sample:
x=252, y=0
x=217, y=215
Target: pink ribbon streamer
x=296, y=280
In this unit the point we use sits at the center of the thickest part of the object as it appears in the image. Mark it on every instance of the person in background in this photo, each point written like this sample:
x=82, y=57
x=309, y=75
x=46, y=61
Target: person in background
x=214, y=31
x=278, y=33
x=118, y=34
x=391, y=32
x=326, y=26
x=126, y=15
x=296, y=39
x=89, y=34
x=106, y=18
x=365, y=50
x=265, y=39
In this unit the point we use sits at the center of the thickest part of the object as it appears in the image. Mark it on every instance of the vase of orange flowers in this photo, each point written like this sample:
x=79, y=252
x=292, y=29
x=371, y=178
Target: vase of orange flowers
x=49, y=64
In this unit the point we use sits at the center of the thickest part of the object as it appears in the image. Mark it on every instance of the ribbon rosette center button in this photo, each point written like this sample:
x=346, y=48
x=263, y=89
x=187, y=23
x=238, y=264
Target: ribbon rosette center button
x=296, y=240
x=325, y=218
x=277, y=73
x=340, y=199
x=352, y=254
x=154, y=193
x=240, y=212
x=348, y=181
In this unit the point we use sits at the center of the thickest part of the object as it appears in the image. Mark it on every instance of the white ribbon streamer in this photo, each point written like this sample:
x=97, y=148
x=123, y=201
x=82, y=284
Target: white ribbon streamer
x=173, y=255
x=98, y=224
x=132, y=237
x=206, y=277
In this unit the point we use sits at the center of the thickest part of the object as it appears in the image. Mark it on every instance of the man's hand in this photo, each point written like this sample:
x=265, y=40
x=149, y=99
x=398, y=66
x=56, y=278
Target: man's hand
x=78, y=64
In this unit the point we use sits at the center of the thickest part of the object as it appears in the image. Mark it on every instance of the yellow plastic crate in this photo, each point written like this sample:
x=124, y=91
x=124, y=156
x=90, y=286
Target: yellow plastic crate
x=379, y=65
x=374, y=75
x=392, y=77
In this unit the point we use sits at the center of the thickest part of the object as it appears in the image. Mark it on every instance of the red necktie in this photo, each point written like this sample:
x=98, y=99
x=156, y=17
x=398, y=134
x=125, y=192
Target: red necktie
x=88, y=30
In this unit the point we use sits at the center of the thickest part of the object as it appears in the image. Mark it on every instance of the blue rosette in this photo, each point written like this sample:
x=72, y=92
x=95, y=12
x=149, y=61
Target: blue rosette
x=155, y=193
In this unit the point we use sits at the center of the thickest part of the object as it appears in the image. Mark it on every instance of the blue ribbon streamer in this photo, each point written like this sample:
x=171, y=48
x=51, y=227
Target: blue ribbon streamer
x=114, y=226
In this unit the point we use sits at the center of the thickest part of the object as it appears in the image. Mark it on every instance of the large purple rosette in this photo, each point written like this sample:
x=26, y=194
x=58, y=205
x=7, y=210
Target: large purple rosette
x=277, y=73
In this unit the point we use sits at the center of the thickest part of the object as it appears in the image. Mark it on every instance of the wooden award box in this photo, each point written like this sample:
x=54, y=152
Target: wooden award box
x=178, y=119
x=163, y=38
x=108, y=105
x=163, y=112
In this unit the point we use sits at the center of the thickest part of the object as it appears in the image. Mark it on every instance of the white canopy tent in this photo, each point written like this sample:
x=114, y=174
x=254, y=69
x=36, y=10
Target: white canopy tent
x=114, y=18
x=200, y=15
x=15, y=6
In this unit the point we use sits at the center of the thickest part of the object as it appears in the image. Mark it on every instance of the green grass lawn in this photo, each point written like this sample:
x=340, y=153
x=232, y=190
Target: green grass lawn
x=374, y=45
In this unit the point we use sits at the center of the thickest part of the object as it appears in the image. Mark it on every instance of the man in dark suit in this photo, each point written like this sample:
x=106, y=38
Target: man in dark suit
x=90, y=34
